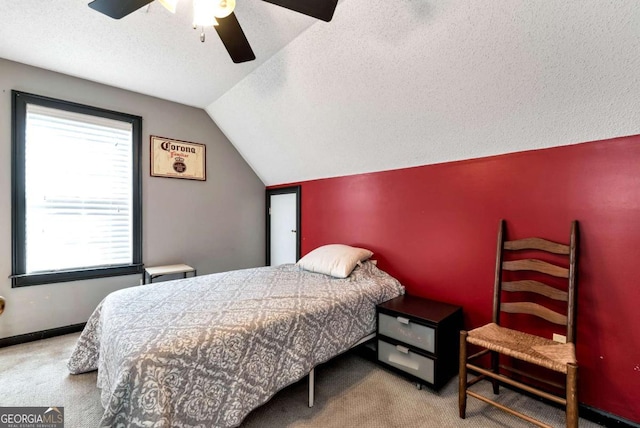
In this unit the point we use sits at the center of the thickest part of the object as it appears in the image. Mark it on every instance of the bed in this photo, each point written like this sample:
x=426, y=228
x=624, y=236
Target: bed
x=205, y=351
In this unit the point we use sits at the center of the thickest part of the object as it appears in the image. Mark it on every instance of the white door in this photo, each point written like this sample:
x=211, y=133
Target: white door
x=283, y=229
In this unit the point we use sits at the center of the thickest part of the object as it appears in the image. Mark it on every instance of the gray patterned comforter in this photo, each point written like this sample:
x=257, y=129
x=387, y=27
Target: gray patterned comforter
x=205, y=351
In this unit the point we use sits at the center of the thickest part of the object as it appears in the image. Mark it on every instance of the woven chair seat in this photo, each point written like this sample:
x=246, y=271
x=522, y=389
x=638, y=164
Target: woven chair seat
x=523, y=346
x=519, y=269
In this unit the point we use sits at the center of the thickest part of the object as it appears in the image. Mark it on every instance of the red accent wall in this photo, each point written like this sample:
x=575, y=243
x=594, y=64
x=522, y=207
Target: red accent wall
x=434, y=228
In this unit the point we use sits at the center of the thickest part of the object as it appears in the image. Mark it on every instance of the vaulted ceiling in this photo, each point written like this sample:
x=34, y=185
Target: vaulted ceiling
x=384, y=85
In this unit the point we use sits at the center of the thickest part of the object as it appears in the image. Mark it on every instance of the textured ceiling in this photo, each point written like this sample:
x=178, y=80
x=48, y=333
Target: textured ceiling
x=150, y=51
x=384, y=85
x=426, y=82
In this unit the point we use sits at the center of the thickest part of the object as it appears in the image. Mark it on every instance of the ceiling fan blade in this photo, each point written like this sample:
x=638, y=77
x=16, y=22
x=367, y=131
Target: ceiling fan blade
x=117, y=9
x=321, y=9
x=234, y=39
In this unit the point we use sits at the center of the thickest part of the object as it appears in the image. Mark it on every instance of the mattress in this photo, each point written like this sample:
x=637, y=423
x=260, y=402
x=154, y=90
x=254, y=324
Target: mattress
x=205, y=351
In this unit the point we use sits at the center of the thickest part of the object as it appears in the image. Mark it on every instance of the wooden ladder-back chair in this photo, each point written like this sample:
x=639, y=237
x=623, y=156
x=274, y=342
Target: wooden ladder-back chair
x=541, y=351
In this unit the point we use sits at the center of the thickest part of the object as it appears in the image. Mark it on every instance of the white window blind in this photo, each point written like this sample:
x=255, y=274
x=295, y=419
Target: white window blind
x=78, y=190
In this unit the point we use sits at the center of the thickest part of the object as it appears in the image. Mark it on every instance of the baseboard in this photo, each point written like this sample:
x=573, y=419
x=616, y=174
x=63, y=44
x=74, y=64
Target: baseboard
x=589, y=413
x=38, y=335
x=603, y=418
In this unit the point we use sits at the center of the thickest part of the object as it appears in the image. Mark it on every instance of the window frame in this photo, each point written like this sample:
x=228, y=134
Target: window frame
x=19, y=277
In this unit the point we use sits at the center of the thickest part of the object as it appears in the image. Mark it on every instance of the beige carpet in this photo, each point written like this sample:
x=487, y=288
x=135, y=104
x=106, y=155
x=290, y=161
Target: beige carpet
x=350, y=392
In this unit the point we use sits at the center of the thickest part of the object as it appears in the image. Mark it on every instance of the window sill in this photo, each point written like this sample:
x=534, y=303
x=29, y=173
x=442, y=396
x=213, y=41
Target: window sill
x=74, y=275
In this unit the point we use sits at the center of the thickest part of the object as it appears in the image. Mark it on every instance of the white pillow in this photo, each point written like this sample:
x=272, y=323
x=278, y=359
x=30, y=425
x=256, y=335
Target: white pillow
x=337, y=260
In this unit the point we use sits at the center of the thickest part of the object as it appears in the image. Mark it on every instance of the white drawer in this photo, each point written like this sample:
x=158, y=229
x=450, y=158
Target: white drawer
x=406, y=331
x=402, y=358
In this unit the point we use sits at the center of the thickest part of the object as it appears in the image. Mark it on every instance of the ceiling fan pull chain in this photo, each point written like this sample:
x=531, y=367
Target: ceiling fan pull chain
x=202, y=35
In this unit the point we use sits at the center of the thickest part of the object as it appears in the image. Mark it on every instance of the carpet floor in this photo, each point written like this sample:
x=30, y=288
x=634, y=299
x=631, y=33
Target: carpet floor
x=350, y=392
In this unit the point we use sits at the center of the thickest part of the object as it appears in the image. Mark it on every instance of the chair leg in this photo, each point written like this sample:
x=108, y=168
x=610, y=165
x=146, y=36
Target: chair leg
x=495, y=367
x=572, y=396
x=462, y=375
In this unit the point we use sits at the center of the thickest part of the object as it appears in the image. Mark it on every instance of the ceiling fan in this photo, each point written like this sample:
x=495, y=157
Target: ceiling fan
x=221, y=15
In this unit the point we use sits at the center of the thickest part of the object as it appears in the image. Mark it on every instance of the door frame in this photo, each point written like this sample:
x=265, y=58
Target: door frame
x=281, y=191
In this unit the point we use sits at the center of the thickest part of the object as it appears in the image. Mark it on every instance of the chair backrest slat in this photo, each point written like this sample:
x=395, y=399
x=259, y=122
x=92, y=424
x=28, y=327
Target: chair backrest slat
x=536, y=287
x=534, y=309
x=537, y=244
x=511, y=257
x=537, y=266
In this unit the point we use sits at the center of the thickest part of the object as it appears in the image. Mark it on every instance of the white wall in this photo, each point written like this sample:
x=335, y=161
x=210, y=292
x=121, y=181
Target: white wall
x=390, y=85
x=216, y=225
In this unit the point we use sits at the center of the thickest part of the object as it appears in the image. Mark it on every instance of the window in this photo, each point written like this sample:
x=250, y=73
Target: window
x=76, y=191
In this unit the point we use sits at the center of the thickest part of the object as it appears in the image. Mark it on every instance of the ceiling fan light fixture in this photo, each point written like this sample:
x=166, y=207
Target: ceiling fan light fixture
x=204, y=13
x=224, y=8
x=170, y=5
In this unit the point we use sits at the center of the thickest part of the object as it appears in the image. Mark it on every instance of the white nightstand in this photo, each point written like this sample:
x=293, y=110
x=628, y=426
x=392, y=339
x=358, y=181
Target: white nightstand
x=155, y=271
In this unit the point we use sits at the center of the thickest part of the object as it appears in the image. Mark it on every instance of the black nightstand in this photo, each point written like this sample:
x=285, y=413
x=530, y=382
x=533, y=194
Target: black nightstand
x=419, y=338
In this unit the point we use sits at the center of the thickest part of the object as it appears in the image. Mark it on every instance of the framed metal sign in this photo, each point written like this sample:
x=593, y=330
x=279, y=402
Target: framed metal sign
x=178, y=159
